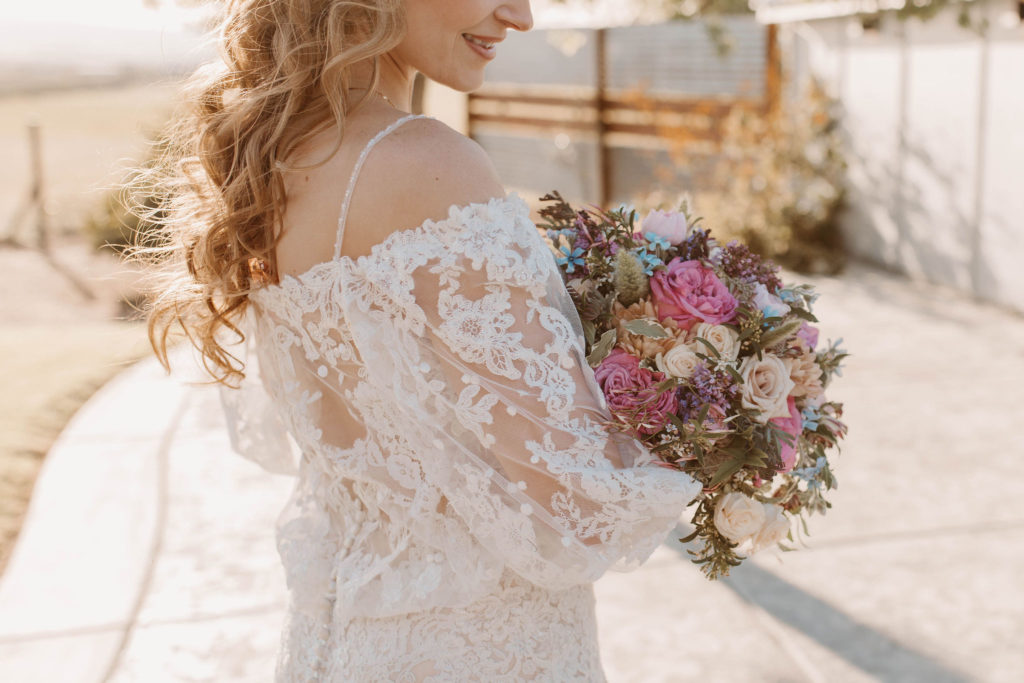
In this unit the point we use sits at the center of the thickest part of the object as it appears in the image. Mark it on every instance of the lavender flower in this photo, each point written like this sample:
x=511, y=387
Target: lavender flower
x=741, y=263
x=706, y=386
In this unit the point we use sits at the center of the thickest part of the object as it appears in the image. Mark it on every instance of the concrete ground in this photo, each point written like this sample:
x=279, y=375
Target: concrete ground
x=148, y=554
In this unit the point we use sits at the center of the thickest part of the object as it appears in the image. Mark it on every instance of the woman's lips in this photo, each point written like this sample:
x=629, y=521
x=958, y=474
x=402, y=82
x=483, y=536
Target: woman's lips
x=485, y=52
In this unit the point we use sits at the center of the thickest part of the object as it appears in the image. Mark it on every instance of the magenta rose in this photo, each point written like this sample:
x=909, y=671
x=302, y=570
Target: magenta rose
x=794, y=424
x=689, y=293
x=631, y=392
x=809, y=334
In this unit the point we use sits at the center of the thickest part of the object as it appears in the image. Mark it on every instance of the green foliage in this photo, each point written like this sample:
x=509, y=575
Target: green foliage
x=129, y=216
x=114, y=226
x=778, y=184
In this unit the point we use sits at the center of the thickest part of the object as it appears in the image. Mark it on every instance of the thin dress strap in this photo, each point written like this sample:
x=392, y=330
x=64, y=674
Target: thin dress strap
x=355, y=172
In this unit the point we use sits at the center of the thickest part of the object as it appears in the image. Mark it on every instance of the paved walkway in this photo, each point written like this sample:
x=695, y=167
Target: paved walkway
x=147, y=553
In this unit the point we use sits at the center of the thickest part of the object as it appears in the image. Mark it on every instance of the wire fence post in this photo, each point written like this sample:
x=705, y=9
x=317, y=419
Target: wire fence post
x=37, y=197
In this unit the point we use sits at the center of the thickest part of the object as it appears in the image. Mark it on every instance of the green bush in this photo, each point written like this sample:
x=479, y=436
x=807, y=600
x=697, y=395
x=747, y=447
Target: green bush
x=129, y=216
x=776, y=183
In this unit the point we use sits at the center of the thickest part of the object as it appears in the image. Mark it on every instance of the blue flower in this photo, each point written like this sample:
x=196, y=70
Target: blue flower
x=571, y=259
x=811, y=418
x=810, y=474
x=648, y=260
x=788, y=296
x=656, y=241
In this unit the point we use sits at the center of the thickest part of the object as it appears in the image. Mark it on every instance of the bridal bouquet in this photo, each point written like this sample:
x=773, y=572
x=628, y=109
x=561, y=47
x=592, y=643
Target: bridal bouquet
x=708, y=358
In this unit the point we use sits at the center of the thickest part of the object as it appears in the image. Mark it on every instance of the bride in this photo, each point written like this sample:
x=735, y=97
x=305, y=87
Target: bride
x=415, y=359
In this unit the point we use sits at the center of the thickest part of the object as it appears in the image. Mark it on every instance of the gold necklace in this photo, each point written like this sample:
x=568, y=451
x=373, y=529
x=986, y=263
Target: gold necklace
x=386, y=98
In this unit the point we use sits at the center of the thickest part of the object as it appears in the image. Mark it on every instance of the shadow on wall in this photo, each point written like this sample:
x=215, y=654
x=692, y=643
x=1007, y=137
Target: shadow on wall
x=898, y=224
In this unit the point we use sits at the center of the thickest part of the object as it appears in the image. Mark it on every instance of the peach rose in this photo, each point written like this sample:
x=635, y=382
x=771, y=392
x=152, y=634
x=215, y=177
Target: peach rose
x=766, y=385
x=805, y=372
x=725, y=340
x=679, y=361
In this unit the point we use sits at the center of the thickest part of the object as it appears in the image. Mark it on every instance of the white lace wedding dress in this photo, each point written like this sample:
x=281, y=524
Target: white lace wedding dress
x=456, y=493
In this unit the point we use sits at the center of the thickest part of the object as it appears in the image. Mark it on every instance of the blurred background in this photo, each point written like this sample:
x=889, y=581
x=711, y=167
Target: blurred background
x=874, y=148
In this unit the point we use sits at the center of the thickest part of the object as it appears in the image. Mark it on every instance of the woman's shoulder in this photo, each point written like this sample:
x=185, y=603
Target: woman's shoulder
x=414, y=173
x=418, y=171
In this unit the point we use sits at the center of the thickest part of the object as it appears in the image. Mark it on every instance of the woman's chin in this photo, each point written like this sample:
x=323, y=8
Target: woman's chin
x=465, y=83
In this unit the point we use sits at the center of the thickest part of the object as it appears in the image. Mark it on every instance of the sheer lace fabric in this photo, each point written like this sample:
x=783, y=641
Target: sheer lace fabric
x=457, y=492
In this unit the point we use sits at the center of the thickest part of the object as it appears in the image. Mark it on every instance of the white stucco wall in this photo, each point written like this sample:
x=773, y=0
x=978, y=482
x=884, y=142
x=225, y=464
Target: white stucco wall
x=934, y=124
x=1002, y=196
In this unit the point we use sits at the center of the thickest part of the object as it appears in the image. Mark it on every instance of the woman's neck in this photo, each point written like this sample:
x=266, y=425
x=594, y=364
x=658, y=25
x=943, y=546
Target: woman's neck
x=394, y=82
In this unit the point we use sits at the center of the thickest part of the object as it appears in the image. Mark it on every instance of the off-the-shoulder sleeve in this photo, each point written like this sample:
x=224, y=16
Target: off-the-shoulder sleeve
x=253, y=421
x=476, y=384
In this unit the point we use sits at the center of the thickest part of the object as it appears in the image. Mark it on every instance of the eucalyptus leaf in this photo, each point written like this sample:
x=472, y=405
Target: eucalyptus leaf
x=647, y=328
x=602, y=348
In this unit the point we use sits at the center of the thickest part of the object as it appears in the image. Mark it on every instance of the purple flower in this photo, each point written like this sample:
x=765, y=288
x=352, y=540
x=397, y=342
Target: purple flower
x=741, y=263
x=696, y=246
x=631, y=392
x=707, y=387
x=809, y=334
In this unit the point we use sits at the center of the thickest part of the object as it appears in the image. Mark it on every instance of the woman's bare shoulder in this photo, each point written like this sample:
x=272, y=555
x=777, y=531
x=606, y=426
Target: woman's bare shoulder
x=414, y=173
x=417, y=173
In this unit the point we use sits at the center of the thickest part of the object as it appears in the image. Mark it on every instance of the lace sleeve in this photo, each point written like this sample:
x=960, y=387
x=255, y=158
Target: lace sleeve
x=474, y=353
x=253, y=421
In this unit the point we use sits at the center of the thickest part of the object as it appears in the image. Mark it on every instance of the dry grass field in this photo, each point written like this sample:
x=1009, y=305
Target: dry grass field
x=61, y=336
x=89, y=136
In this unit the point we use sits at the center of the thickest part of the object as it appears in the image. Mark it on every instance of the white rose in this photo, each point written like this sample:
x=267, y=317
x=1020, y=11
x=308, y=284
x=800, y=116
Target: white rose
x=738, y=517
x=766, y=384
x=679, y=361
x=725, y=341
x=774, y=529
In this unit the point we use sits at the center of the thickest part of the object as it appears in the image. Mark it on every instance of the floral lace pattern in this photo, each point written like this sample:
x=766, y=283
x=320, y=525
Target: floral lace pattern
x=457, y=492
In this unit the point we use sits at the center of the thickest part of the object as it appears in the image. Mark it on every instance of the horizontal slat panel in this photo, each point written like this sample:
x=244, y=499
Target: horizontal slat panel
x=545, y=57
x=681, y=57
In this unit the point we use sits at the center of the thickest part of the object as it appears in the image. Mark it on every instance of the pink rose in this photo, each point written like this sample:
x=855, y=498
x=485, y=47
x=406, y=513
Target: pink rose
x=689, y=293
x=630, y=391
x=794, y=424
x=668, y=224
x=809, y=334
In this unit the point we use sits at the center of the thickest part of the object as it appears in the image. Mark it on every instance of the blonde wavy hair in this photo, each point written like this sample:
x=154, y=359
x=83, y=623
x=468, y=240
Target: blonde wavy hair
x=214, y=195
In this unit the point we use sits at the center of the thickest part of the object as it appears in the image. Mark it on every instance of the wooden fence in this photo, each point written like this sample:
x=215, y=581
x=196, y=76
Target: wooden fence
x=602, y=114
